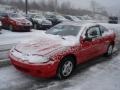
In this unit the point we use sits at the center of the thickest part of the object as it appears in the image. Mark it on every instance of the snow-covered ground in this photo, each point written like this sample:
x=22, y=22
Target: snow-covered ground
x=8, y=37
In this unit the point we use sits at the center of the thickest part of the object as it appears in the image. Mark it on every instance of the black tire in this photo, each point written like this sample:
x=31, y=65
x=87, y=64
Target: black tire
x=70, y=69
x=35, y=26
x=10, y=27
x=109, y=50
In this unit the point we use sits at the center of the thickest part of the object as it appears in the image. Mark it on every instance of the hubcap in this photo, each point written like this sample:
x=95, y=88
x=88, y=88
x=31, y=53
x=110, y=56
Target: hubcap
x=67, y=68
x=110, y=49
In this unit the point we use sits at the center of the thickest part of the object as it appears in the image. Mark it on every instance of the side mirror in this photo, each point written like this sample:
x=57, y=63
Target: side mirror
x=85, y=39
x=88, y=39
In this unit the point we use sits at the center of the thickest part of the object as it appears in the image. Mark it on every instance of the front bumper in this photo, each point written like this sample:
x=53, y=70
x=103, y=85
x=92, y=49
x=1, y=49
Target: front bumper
x=22, y=28
x=43, y=27
x=44, y=70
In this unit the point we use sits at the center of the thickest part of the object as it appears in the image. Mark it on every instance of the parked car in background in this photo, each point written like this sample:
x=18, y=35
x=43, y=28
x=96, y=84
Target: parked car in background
x=61, y=18
x=113, y=20
x=56, y=19
x=72, y=18
x=40, y=22
x=58, y=51
x=86, y=19
x=16, y=22
x=2, y=14
x=80, y=17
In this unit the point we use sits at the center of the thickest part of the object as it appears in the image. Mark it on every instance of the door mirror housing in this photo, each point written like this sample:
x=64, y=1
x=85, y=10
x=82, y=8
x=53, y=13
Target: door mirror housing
x=88, y=39
x=85, y=39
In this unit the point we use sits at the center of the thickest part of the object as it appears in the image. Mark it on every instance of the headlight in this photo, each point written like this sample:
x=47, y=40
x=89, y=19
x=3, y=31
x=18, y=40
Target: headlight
x=30, y=58
x=19, y=23
x=37, y=59
x=29, y=23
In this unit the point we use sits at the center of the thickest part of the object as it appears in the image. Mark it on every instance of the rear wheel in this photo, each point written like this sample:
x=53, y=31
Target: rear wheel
x=66, y=68
x=110, y=50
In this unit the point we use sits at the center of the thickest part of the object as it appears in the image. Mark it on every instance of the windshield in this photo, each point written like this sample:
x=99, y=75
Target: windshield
x=50, y=16
x=38, y=16
x=15, y=15
x=64, y=30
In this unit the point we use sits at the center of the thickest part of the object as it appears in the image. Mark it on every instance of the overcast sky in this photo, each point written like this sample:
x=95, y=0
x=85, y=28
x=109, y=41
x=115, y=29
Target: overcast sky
x=113, y=6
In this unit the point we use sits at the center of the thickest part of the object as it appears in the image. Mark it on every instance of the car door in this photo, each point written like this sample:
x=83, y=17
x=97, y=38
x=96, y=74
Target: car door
x=90, y=44
x=104, y=39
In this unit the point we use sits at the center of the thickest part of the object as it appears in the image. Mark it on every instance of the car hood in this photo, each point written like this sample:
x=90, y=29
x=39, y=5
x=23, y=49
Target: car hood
x=38, y=19
x=45, y=44
x=21, y=20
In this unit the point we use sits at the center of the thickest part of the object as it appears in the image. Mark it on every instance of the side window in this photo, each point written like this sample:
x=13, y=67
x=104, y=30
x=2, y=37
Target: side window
x=103, y=29
x=93, y=32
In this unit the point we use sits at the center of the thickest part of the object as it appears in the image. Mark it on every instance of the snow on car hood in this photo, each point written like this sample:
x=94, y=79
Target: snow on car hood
x=39, y=19
x=21, y=20
x=45, y=44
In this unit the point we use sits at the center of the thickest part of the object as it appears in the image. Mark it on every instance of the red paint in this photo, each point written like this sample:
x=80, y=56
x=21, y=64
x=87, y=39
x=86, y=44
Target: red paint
x=17, y=24
x=83, y=51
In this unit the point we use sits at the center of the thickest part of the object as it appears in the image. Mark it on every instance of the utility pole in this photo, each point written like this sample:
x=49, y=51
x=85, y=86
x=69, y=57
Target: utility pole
x=93, y=6
x=26, y=6
x=55, y=6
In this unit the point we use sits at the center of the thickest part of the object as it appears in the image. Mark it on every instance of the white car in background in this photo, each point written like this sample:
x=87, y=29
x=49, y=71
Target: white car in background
x=72, y=18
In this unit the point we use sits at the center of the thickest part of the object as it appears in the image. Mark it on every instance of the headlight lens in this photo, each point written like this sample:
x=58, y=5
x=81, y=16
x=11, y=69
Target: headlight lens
x=37, y=59
x=30, y=58
x=18, y=23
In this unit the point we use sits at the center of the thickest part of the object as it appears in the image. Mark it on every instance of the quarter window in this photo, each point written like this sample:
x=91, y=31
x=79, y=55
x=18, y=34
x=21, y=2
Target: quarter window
x=103, y=29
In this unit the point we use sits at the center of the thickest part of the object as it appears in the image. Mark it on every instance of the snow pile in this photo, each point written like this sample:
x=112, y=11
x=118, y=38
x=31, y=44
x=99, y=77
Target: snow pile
x=8, y=37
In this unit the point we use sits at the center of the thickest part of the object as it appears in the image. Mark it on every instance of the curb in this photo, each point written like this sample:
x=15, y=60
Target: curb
x=5, y=62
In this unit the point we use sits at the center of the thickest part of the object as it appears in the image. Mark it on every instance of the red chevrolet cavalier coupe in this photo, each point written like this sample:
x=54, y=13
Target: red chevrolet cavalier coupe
x=16, y=22
x=57, y=51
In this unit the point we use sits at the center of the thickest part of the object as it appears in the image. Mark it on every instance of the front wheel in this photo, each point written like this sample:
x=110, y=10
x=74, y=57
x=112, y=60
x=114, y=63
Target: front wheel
x=66, y=68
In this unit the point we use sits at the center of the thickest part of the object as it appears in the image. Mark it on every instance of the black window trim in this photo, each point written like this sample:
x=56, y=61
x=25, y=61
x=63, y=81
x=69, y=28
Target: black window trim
x=92, y=27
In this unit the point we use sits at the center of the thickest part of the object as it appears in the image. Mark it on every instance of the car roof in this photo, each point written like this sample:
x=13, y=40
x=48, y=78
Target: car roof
x=82, y=23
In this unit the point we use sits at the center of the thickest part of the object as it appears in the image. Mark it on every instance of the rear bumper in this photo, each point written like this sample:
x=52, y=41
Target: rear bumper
x=43, y=71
